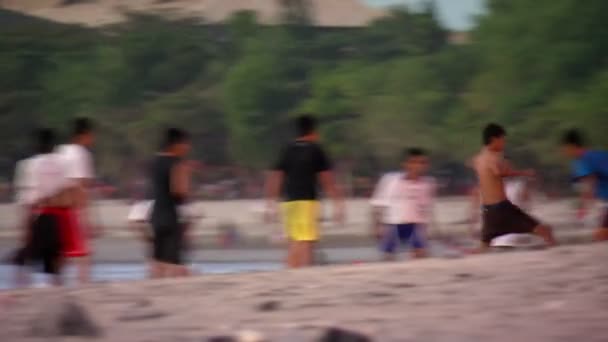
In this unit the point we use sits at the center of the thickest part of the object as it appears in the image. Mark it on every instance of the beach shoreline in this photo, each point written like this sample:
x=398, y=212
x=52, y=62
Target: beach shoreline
x=548, y=295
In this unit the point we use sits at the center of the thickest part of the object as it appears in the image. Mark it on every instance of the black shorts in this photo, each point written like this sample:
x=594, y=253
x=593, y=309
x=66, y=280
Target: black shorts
x=505, y=218
x=168, y=245
x=44, y=245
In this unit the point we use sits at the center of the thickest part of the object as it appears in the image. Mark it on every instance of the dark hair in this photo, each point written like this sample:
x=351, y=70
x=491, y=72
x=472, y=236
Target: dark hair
x=45, y=140
x=492, y=131
x=306, y=124
x=573, y=137
x=82, y=126
x=413, y=152
x=175, y=136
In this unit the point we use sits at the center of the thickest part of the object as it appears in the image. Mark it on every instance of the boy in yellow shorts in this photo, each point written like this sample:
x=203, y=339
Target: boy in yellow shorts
x=303, y=164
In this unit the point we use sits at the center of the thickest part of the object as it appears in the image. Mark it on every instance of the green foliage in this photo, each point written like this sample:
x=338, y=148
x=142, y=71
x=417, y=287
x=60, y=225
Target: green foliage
x=537, y=67
x=541, y=67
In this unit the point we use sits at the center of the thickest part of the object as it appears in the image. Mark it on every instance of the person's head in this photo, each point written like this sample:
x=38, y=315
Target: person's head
x=83, y=132
x=306, y=127
x=415, y=162
x=177, y=142
x=573, y=144
x=494, y=137
x=45, y=141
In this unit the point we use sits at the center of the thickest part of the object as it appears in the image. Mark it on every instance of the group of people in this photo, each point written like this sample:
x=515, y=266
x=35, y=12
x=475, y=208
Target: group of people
x=54, y=190
x=403, y=201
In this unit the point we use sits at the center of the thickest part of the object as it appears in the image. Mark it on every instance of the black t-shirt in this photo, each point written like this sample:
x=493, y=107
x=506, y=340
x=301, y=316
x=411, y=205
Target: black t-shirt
x=301, y=162
x=164, y=210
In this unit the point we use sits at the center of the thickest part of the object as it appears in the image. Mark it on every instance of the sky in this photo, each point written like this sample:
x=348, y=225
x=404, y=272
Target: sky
x=454, y=14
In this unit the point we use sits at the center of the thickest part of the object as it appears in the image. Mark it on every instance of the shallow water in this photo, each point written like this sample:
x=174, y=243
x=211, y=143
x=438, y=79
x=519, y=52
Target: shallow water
x=114, y=271
x=135, y=271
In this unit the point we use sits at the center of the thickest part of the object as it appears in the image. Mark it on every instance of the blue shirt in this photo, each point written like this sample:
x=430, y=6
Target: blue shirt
x=593, y=163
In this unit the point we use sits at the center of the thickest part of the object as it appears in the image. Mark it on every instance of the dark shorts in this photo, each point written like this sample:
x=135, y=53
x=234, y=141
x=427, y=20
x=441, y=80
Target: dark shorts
x=402, y=234
x=44, y=245
x=505, y=218
x=168, y=244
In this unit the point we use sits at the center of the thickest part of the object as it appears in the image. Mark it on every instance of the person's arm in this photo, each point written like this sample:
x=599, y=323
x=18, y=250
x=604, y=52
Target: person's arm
x=333, y=191
x=378, y=203
x=180, y=180
x=274, y=182
x=329, y=184
x=83, y=190
x=377, y=227
x=504, y=169
x=80, y=176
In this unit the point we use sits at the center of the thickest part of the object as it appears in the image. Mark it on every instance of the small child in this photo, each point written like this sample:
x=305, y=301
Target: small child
x=405, y=200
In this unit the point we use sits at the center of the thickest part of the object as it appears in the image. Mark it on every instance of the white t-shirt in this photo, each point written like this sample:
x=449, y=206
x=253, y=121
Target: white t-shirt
x=46, y=177
x=405, y=201
x=78, y=160
x=21, y=182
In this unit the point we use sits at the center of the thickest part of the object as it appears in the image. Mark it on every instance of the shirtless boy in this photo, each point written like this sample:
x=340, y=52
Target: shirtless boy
x=517, y=190
x=500, y=216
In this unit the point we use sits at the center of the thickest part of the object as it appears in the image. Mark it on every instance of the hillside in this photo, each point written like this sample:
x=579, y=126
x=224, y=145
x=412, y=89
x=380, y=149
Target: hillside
x=335, y=13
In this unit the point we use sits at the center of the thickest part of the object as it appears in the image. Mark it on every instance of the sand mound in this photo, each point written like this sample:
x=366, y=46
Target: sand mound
x=557, y=294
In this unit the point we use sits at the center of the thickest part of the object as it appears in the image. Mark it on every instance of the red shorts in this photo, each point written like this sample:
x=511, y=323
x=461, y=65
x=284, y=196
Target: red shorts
x=73, y=238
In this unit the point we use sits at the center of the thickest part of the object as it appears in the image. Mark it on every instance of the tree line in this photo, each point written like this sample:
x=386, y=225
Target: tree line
x=536, y=67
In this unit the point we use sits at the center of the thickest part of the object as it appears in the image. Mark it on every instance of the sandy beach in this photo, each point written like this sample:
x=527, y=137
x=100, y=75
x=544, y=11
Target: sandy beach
x=551, y=295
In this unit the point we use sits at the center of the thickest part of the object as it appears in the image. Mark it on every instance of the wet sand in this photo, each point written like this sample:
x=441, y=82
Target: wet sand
x=551, y=295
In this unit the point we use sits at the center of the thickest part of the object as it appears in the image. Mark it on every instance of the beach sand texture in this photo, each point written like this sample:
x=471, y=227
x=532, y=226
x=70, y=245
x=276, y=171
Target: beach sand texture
x=553, y=295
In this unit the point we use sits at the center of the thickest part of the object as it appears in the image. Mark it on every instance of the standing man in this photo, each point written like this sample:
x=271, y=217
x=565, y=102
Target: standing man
x=302, y=165
x=46, y=181
x=404, y=202
x=81, y=174
x=170, y=182
x=591, y=169
x=500, y=216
